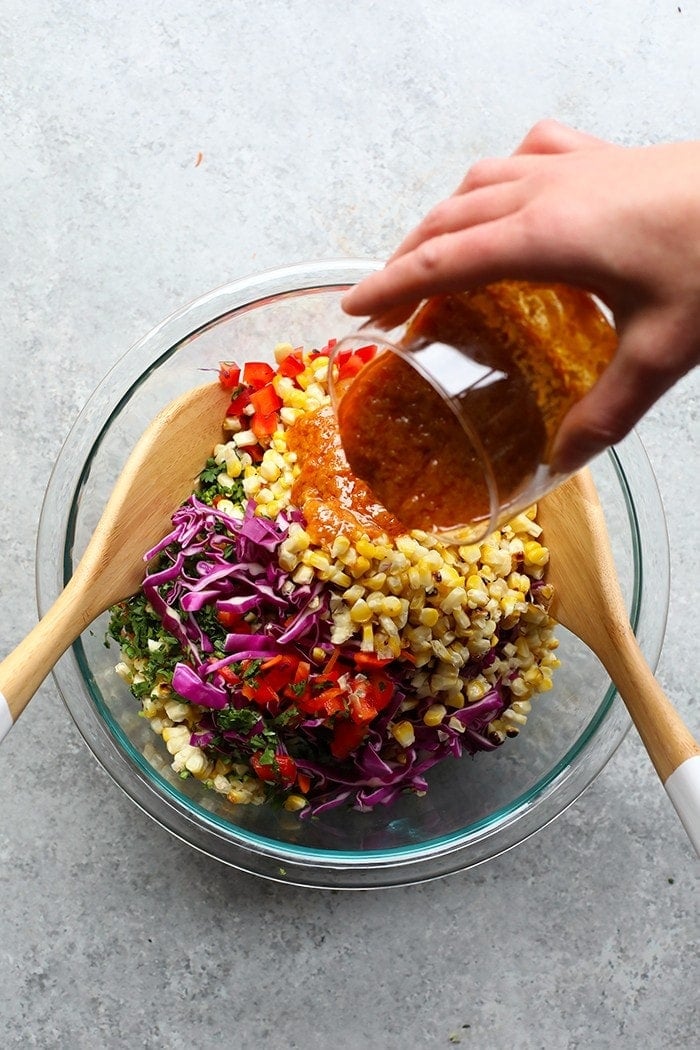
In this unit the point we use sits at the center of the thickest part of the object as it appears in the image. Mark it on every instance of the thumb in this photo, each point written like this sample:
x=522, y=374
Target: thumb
x=636, y=377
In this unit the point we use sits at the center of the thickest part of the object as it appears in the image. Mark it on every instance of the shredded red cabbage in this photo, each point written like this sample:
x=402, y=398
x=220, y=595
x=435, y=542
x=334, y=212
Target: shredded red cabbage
x=212, y=562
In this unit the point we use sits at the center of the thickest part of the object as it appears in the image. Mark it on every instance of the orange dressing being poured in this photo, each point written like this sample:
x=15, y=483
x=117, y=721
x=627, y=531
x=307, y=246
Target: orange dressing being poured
x=532, y=351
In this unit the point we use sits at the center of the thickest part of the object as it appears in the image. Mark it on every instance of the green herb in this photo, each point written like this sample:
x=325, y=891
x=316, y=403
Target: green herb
x=241, y=720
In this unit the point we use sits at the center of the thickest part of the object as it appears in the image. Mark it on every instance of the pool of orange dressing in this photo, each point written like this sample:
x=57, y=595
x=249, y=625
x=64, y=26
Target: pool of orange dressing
x=332, y=500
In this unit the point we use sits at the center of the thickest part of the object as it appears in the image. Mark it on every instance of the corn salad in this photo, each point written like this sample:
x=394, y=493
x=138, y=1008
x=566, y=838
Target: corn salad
x=456, y=639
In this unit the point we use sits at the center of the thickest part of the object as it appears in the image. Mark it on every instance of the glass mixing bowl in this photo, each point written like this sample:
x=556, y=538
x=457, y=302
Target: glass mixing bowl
x=476, y=807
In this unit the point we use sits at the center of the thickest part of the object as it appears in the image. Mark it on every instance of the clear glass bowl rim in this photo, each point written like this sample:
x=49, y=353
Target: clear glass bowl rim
x=191, y=823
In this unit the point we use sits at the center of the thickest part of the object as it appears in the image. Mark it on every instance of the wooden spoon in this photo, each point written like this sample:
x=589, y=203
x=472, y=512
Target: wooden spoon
x=158, y=475
x=589, y=603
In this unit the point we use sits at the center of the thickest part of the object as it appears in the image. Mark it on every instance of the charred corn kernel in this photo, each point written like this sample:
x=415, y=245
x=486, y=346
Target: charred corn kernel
x=524, y=523
x=510, y=715
x=394, y=646
x=226, y=507
x=403, y=733
x=269, y=469
x=360, y=612
x=519, y=687
x=435, y=714
x=470, y=553
x=293, y=803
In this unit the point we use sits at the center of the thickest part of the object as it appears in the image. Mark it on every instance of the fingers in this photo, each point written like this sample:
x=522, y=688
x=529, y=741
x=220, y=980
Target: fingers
x=549, y=136
x=460, y=212
x=636, y=377
x=447, y=263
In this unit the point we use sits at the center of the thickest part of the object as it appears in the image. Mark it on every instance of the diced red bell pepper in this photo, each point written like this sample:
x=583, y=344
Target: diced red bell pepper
x=240, y=398
x=263, y=426
x=233, y=621
x=266, y=401
x=382, y=689
x=229, y=675
x=347, y=737
x=282, y=770
x=260, y=692
x=291, y=365
x=229, y=374
x=257, y=374
x=279, y=670
x=370, y=661
x=350, y=368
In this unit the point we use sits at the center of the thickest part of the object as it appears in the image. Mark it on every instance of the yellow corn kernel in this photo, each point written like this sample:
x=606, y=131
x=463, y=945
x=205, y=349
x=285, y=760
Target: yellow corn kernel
x=391, y=606
x=360, y=612
x=456, y=598
x=252, y=485
x=435, y=714
x=340, y=578
x=341, y=545
x=293, y=803
x=429, y=616
x=303, y=574
x=176, y=737
x=360, y=567
x=234, y=467
x=353, y=593
x=535, y=553
x=317, y=559
x=403, y=733
x=375, y=582
x=269, y=469
x=289, y=415
x=367, y=643
x=476, y=688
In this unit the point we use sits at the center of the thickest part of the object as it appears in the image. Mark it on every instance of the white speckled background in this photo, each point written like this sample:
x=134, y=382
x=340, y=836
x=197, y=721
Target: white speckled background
x=326, y=129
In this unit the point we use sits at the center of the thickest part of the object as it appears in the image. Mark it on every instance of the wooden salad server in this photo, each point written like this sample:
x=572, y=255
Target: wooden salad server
x=158, y=476
x=588, y=602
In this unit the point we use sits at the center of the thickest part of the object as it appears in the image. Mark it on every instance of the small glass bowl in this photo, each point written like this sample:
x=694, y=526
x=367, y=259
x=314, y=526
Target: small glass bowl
x=475, y=808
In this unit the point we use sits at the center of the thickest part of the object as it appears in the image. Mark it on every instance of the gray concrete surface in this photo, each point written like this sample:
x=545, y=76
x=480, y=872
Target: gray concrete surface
x=325, y=129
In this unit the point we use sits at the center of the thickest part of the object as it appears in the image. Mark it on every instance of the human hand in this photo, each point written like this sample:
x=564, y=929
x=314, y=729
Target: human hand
x=623, y=223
